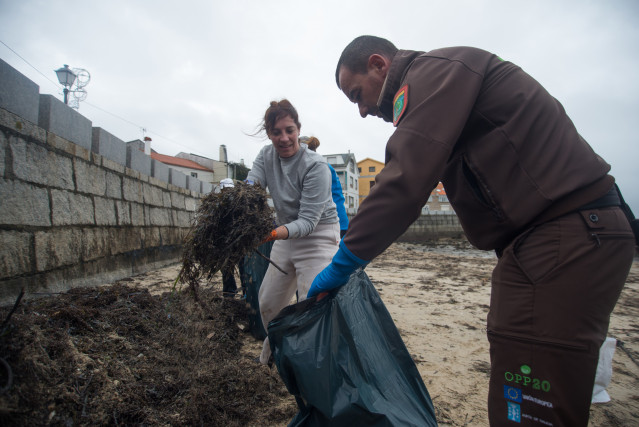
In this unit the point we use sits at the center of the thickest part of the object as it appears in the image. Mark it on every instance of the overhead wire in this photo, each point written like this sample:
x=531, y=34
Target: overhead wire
x=143, y=128
x=29, y=64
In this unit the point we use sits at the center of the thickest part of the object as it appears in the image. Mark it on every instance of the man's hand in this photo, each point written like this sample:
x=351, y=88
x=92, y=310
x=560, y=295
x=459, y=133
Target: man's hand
x=280, y=233
x=337, y=273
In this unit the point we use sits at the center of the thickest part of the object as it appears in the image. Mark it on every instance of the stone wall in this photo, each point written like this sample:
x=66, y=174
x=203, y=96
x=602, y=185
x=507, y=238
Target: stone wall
x=80, y=207
x=433, y=226
x=77, y=206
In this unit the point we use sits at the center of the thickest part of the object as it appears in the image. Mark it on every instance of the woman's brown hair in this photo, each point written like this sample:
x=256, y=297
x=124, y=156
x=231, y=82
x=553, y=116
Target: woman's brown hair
x=278, y=110
x=312, y=143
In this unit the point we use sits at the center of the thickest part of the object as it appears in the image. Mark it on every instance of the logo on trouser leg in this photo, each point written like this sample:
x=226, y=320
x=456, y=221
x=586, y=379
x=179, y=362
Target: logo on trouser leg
x=512, y=393
x=526, y=380
x=514, y=412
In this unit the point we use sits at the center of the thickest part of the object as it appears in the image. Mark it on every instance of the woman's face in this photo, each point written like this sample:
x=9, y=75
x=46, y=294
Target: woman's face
x=285, y=137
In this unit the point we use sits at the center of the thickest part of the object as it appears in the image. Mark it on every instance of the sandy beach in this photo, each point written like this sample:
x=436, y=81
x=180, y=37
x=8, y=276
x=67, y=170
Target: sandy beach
x=135, y=352
x=439, y=298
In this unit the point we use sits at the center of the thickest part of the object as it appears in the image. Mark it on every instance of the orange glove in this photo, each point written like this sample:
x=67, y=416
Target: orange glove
x=280, y=233
x=271, y=236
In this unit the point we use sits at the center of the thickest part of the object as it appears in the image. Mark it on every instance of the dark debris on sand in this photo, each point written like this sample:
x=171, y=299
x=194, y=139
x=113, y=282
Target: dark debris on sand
x=228, y=226
x=117, y=355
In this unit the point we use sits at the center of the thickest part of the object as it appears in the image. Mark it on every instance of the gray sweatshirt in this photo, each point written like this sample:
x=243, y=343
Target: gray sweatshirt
x=300, y=187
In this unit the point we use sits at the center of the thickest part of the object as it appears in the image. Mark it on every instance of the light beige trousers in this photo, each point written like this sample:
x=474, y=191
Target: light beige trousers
x=302, y=259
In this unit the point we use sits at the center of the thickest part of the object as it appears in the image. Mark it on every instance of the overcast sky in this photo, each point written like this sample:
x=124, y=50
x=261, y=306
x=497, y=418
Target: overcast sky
x=197, y=74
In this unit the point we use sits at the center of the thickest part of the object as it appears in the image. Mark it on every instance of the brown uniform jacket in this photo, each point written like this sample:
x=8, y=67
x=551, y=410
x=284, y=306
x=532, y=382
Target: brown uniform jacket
x=504, y=148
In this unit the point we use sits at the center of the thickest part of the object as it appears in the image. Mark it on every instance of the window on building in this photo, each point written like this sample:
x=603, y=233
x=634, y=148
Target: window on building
x=351, y=181
x=359, y=170
x=356, y=184
x=443, y=198
x=430, y=198
x=351, y=167
x=371, y=168
x=194, y=174
x=351, y=201
x=371, y=183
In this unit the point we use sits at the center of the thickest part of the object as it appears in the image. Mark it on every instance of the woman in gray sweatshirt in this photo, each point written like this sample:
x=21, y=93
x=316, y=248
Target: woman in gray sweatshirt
x=307, y=232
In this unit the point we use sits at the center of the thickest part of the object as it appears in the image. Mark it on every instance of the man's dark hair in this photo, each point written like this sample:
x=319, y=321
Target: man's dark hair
x=355, y=56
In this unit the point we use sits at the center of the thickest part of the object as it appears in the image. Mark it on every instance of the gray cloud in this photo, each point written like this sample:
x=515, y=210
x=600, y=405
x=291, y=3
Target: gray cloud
x=199, y=74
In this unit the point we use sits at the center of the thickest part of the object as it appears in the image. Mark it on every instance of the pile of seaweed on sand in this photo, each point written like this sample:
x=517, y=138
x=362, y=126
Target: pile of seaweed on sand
x=228, y=226
x=118, y=355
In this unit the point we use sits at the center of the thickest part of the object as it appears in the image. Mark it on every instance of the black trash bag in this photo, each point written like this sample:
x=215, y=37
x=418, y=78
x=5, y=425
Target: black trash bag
x=345, y=362
x=252, y=270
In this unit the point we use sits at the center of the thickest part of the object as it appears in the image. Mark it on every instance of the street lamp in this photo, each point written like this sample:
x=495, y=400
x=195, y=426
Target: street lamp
x=66, y=77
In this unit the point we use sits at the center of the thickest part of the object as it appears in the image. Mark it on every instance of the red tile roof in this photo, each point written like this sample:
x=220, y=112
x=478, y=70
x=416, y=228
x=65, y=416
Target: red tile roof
x=176, y=161
x=439, y=190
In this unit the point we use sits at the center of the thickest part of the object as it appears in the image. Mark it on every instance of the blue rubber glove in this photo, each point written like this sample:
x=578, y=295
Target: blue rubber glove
x=337, y=273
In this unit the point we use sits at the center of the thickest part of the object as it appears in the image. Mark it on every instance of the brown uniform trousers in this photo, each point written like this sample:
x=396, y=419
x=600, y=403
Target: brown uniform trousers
x=553, y=290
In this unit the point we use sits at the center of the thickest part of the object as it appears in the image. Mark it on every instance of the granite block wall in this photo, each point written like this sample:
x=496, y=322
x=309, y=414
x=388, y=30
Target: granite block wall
x=71, y=217
x=433, y=227
x=78, y=207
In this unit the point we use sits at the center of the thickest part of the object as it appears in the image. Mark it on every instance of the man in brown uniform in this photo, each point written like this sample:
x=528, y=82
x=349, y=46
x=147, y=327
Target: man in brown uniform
x=524, y=183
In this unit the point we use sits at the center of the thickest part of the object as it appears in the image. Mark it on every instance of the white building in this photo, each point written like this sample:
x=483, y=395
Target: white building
x=221, y=168
x=346, y=168
x=186, y=166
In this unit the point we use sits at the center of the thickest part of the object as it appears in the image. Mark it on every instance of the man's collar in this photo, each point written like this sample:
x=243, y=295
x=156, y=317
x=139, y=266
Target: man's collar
x=394, y=77
x=381, y=93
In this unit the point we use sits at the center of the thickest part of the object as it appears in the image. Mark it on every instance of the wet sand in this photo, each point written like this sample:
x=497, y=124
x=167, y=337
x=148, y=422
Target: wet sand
x=439, y=297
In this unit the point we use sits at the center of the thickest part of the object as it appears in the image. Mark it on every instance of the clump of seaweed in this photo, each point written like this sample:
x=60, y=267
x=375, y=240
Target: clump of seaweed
x=227, y=226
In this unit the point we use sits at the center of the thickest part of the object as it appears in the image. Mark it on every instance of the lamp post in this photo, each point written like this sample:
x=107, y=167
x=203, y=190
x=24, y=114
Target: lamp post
x=66, y=77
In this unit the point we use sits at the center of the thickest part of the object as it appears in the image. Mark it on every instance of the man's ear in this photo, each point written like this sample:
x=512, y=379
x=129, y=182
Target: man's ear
x=378, y=63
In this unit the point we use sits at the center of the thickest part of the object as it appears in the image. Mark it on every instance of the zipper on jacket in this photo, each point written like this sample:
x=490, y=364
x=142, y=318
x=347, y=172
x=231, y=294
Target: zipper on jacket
x=480, y=190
